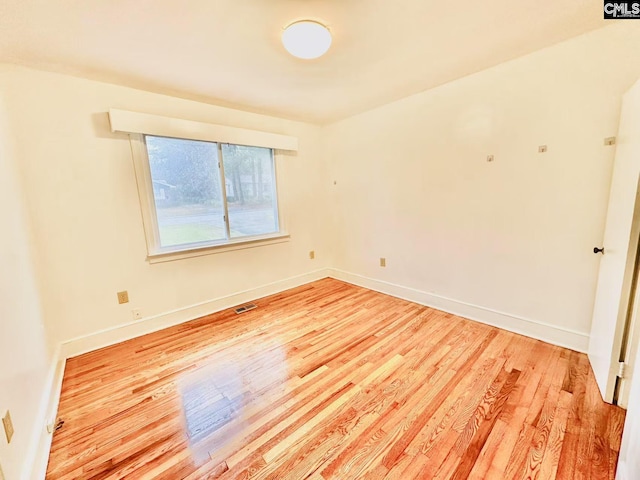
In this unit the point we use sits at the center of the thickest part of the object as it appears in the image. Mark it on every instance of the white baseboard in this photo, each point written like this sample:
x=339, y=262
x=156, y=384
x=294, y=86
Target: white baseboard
x=127, y=331
x=553, y=334
x=41, y=439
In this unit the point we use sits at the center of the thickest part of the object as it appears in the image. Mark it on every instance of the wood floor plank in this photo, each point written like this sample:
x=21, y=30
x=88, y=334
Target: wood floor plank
x=494, y=458
x=469, y=449
x=333, y=381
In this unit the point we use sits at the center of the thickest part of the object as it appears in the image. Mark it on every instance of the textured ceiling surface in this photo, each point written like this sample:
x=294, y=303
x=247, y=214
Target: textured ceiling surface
x=228, y=52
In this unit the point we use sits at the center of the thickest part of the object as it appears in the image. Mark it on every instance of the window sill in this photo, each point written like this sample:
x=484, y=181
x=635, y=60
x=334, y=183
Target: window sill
x=197, y=251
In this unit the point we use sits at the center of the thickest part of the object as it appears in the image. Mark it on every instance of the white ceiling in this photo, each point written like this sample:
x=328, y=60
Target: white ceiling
x=228, y=52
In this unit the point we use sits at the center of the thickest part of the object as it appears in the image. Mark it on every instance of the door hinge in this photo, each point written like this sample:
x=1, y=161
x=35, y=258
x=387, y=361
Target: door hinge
x=622, y=369
x=54, y=427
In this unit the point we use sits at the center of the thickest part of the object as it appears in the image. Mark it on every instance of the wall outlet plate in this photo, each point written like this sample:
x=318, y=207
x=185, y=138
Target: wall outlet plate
x=137, y=314
x=123, y=297
x=8, y=426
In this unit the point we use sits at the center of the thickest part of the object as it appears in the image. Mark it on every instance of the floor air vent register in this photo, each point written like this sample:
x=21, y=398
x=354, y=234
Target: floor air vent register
x=246, y=308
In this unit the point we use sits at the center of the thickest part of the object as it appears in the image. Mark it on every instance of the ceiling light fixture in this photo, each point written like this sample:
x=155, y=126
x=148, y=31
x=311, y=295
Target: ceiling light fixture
x=306, y=39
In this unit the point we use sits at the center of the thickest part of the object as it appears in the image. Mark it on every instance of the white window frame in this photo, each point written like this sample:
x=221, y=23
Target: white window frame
x=155, y=252
x=138, y=124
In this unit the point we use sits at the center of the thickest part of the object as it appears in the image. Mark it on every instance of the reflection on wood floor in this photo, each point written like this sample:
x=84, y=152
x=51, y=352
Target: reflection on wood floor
x=333, y=381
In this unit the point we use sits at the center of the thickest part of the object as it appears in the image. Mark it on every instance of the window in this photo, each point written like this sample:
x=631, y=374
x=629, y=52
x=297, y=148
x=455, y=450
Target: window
x=207, y=194
x=204, y=187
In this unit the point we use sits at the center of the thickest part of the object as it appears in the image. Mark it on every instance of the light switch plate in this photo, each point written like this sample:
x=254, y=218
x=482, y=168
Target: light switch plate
x=8, y=426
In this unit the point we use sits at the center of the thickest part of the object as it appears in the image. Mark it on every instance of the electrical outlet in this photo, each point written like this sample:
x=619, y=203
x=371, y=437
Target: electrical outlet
x=312, y=254
x=137, y=313
x=8, y=426
x=542, y=149
x=383, y=262
x=489, y=158
x=123, y=297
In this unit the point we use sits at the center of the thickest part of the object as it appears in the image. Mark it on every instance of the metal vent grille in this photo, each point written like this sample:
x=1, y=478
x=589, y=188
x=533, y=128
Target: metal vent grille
x=246, y=308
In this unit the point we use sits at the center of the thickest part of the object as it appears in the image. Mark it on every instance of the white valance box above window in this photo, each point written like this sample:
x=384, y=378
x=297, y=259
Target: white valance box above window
x=148, y=124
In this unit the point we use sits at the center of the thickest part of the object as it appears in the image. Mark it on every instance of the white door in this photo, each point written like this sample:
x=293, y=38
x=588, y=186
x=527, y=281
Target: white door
x=620, y=246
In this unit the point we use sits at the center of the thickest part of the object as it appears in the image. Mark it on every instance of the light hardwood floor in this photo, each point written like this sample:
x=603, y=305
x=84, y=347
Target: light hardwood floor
x=333, y=381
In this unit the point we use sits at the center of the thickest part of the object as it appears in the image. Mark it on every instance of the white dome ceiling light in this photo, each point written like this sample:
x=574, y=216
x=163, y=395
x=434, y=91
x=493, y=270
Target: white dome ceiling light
x=306, y=39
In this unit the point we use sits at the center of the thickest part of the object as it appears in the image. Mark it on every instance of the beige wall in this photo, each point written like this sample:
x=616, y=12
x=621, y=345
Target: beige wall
x=507, y=242
x=82, y=197
x=24, y=356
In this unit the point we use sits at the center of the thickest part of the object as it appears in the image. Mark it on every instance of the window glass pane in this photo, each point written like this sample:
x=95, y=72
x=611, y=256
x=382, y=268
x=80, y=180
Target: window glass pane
x=186, y=190
x=250, y=183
